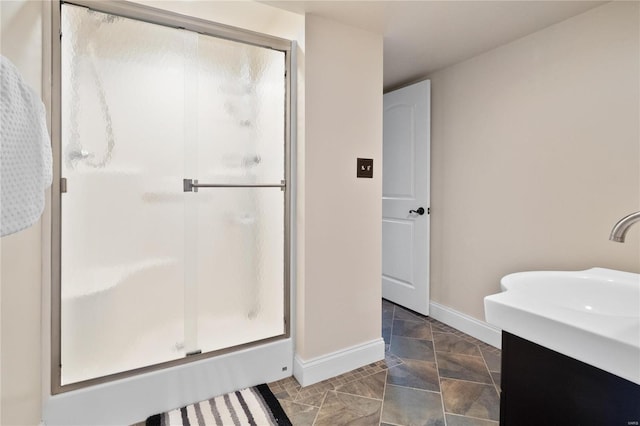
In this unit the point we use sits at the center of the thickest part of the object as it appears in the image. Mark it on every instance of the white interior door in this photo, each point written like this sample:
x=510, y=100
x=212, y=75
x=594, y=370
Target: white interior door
x=406, y=182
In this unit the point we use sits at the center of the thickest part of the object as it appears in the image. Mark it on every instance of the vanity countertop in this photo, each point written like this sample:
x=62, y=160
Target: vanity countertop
x=592, y=315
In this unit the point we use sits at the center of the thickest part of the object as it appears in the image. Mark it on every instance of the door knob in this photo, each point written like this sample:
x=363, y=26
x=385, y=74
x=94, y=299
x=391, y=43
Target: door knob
x=420, y=211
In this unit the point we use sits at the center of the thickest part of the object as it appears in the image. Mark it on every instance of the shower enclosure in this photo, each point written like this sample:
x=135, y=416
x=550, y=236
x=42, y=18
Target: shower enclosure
x=171, y=223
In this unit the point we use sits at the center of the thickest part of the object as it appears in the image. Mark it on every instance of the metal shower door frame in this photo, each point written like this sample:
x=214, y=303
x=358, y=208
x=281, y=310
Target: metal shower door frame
x=178, y=21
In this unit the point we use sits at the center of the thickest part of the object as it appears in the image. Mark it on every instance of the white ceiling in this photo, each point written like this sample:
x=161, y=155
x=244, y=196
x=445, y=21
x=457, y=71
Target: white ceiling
x=423, y=36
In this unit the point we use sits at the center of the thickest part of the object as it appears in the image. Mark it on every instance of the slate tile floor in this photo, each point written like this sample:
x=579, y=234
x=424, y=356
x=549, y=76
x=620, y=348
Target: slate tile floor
x=432, y=375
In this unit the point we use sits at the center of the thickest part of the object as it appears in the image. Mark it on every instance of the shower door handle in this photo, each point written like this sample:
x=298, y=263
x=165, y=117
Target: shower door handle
x=192, y=185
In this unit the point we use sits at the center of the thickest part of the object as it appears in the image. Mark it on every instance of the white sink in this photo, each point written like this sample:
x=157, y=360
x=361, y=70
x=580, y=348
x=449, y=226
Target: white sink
x=592, y=316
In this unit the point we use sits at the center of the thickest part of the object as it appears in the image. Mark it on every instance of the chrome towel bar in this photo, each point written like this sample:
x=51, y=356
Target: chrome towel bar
x=192, y=185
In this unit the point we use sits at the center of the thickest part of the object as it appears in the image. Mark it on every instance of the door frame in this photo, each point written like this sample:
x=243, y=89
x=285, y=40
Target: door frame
x=173, y=20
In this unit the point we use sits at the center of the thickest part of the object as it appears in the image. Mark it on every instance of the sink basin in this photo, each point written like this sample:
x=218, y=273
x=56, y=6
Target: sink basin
x=595, y=291
x=592, y=316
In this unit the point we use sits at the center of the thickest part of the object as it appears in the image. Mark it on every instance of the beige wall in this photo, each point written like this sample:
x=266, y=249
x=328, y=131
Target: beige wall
x=535, y=155
x=20, y=276
x=339, y=288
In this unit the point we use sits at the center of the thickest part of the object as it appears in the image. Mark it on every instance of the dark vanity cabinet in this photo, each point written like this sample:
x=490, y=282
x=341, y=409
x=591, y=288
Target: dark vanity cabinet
x=541, y=387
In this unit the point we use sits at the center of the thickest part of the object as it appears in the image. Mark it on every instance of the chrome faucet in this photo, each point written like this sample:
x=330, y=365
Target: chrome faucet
x=620, y=229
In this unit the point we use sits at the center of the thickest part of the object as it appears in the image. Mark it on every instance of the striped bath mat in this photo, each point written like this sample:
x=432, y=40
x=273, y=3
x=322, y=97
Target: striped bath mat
x=255, y=406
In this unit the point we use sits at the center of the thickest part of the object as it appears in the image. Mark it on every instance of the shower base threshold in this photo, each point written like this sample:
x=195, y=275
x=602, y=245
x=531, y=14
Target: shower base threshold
x=133, y=399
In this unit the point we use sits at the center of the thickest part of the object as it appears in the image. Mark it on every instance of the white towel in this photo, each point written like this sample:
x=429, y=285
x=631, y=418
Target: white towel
x=25, y=152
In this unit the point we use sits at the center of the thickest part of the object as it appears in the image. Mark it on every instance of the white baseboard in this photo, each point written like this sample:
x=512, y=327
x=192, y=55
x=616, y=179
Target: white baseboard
x=473, y=327
x=327, y=366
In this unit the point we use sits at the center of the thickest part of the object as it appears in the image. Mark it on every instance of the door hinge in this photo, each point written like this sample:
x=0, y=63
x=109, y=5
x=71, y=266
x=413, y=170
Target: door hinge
x=63, y=185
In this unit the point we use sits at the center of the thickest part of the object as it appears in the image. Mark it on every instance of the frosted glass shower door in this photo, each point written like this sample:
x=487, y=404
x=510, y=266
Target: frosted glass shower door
x=239, y=154
x=174, y=199
x=122, y=216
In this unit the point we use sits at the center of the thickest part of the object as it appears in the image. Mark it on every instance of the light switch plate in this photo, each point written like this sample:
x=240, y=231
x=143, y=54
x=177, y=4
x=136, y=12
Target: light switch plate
x=365, y=167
